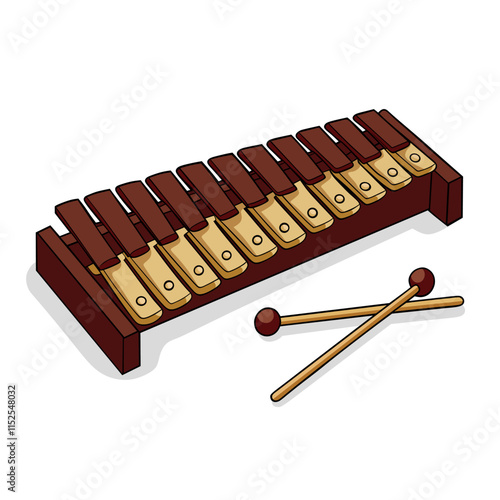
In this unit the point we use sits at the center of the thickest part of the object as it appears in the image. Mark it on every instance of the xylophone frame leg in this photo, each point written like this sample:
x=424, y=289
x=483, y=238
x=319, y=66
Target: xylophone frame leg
x=447, y=184
x=88, y=301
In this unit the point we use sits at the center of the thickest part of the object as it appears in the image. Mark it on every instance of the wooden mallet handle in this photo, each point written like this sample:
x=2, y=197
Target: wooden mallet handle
x=268, y=320
x=421, y=283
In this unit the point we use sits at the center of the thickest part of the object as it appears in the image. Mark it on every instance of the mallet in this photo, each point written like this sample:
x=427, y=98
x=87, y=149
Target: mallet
x=268, y=321
x=421, y=284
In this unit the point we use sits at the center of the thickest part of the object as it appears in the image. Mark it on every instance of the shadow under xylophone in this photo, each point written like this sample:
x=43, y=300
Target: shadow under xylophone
x=163, y=259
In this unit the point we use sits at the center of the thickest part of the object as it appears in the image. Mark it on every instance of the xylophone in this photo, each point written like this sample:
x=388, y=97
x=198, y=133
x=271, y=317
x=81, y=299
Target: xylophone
x=271, y=210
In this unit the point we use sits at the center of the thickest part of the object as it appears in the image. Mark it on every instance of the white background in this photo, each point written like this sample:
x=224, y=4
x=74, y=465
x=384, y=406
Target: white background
x=235, y=74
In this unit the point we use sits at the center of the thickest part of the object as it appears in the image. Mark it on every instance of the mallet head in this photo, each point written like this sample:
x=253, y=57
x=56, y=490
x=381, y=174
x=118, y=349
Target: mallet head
x=424, y=279
x=267, y=321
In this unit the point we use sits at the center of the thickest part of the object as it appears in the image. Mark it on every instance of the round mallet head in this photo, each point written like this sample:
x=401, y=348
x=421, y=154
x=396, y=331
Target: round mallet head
x=267, y=322
x=424, y=279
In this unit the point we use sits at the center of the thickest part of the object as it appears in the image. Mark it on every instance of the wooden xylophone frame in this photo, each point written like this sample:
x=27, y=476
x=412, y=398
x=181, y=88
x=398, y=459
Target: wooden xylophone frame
x=63, y=264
